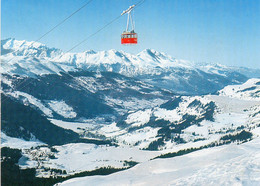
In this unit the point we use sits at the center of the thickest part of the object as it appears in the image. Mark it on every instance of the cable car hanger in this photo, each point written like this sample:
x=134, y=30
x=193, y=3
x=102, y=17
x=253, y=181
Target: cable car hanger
x=129, y=37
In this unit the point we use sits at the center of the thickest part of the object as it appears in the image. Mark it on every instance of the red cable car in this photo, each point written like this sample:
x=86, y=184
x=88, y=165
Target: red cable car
x=129, y=37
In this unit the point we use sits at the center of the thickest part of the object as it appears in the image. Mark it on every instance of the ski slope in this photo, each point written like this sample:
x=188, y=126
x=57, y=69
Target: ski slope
x=225, y=165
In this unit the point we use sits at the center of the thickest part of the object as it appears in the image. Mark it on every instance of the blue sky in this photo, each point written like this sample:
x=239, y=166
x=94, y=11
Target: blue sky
x=215, y=31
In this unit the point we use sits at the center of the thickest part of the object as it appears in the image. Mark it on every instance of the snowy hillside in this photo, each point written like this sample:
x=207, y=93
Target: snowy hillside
x=107, y=93
x=84, y=100
x=249, y=90
x=182, y=123
x=226, y=165
x=188, y=121
x=32, y=59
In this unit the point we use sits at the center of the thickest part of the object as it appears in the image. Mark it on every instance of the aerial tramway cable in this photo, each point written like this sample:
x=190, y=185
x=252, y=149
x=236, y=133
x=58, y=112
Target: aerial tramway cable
x=64, y=20
x=75, y=46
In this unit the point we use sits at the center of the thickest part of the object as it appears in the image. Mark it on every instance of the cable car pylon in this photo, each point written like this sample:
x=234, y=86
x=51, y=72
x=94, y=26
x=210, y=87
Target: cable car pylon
x=129, y=37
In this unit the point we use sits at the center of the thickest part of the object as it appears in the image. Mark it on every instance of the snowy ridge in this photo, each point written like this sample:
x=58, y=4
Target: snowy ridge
x=31, y=66
x=148, y=61
x=31, y=59
x=250, y=90
x=29, y=48
x=29, y=99
x=111, y=60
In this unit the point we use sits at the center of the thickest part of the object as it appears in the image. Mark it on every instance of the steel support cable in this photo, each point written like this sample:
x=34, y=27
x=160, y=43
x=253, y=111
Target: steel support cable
x=60, y=23
x=75, y=46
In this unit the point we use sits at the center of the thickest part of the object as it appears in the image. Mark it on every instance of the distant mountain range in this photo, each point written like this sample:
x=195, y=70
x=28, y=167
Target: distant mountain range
x=157, y=68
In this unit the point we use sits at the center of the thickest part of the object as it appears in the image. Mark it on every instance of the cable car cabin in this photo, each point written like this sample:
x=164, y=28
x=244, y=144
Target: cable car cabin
x=128, y=38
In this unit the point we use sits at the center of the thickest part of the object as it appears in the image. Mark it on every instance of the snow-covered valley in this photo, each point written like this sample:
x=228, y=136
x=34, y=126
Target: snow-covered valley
x=70, y=114
x=140, y=130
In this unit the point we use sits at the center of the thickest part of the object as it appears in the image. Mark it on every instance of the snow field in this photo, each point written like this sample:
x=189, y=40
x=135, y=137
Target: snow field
x=78, y=157
x=61, y=108
x=225, y=165
x=17, y=143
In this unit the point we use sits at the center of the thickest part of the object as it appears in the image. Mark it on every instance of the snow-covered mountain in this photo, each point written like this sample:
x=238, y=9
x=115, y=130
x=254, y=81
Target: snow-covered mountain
x=32, y=59
x=26, y=48
x=78, y=114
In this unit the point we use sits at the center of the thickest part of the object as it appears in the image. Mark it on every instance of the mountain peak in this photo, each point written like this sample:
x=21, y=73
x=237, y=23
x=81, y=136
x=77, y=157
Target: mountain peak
x=28, y=48
x=149, y=51
x=90, y=52
x=12, y=43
